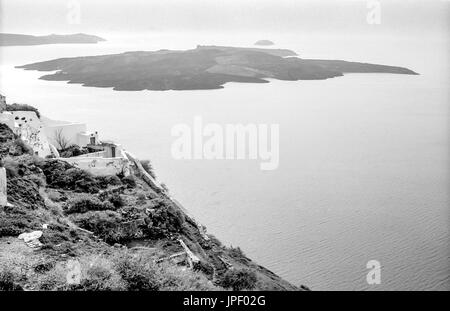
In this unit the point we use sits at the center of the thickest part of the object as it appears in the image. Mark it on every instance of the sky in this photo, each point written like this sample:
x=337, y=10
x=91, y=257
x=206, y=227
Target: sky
x=131, y=16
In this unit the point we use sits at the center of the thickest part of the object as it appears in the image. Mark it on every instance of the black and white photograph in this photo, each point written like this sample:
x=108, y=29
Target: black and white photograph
x=230, y=148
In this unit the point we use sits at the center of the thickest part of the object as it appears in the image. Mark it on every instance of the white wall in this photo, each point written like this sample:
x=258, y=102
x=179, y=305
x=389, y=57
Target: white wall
x=69, y=132
x=3, y=196
x=84, y=138
x=30, y=128
x=22, y=118
x=118, y=150
x=100, y=166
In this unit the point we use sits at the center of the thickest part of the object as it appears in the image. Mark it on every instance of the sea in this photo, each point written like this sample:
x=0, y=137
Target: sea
x=363, y=170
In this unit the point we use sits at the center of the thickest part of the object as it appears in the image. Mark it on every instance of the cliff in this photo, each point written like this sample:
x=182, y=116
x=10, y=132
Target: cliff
x=118, y=232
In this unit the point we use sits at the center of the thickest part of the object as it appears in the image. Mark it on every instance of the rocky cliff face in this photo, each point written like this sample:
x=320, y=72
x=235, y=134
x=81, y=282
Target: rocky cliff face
x=118, y=232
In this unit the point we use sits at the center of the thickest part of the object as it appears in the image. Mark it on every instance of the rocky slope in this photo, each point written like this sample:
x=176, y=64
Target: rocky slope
x=108, y=233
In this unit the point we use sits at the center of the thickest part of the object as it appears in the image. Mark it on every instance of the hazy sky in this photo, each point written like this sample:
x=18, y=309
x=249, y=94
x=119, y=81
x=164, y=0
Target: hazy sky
x=106, y=16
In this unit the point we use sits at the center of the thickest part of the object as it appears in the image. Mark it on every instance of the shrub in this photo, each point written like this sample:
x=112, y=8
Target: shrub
x=9, y=281
x=236, y=252
x=37, y=161
x=15, y=220
x=215, y=240
x=54, y=208
x=142, y=273
x=58, y=234
x=187, y=280
x=21, y=145
x=85, y=203
x=11, y=166
x=54, y=279
x=164, y=219
x=82, y=180
x=204, y=267
x=23, y=166
x=105, y=224
x=96, y=280
x=148, y=167
x=138, y=273
x=72, y=151
x=141, y=196
x=38, y=180
x=99, y=275
x=6, y=134
x=10, y=144
x=60, y=174
x=116, y=200
x=55, y=196
x=239, y=279
x=109, y=180
x=130, y=181
x=22, y=107
x=30, y=163
x=99, y=279
x=24, y=193
x=44, y=267
x=164, y=187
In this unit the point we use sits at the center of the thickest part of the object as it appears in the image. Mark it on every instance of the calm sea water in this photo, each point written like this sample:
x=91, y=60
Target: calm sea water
x=364, y=162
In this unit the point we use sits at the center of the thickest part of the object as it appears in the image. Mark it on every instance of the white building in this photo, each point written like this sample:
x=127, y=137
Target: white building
x=47, y=136
x=29, y=127
x=62, y=135
x=108, y=158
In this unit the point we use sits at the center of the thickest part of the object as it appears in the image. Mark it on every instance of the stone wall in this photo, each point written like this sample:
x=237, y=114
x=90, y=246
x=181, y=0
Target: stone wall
x=98, y=154
x=100, y=166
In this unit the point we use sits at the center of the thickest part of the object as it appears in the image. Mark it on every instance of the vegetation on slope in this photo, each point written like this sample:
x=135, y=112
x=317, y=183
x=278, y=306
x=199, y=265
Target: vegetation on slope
x=116, y=230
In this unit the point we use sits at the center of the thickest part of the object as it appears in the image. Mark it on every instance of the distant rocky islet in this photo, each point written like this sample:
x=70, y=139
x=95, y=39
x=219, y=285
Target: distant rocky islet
x=264, y=42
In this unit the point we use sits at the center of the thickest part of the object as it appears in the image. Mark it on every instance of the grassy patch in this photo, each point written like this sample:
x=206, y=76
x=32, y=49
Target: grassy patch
x=9, y=280
x=62, y=175
x=87, y=202
x=239, y=279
